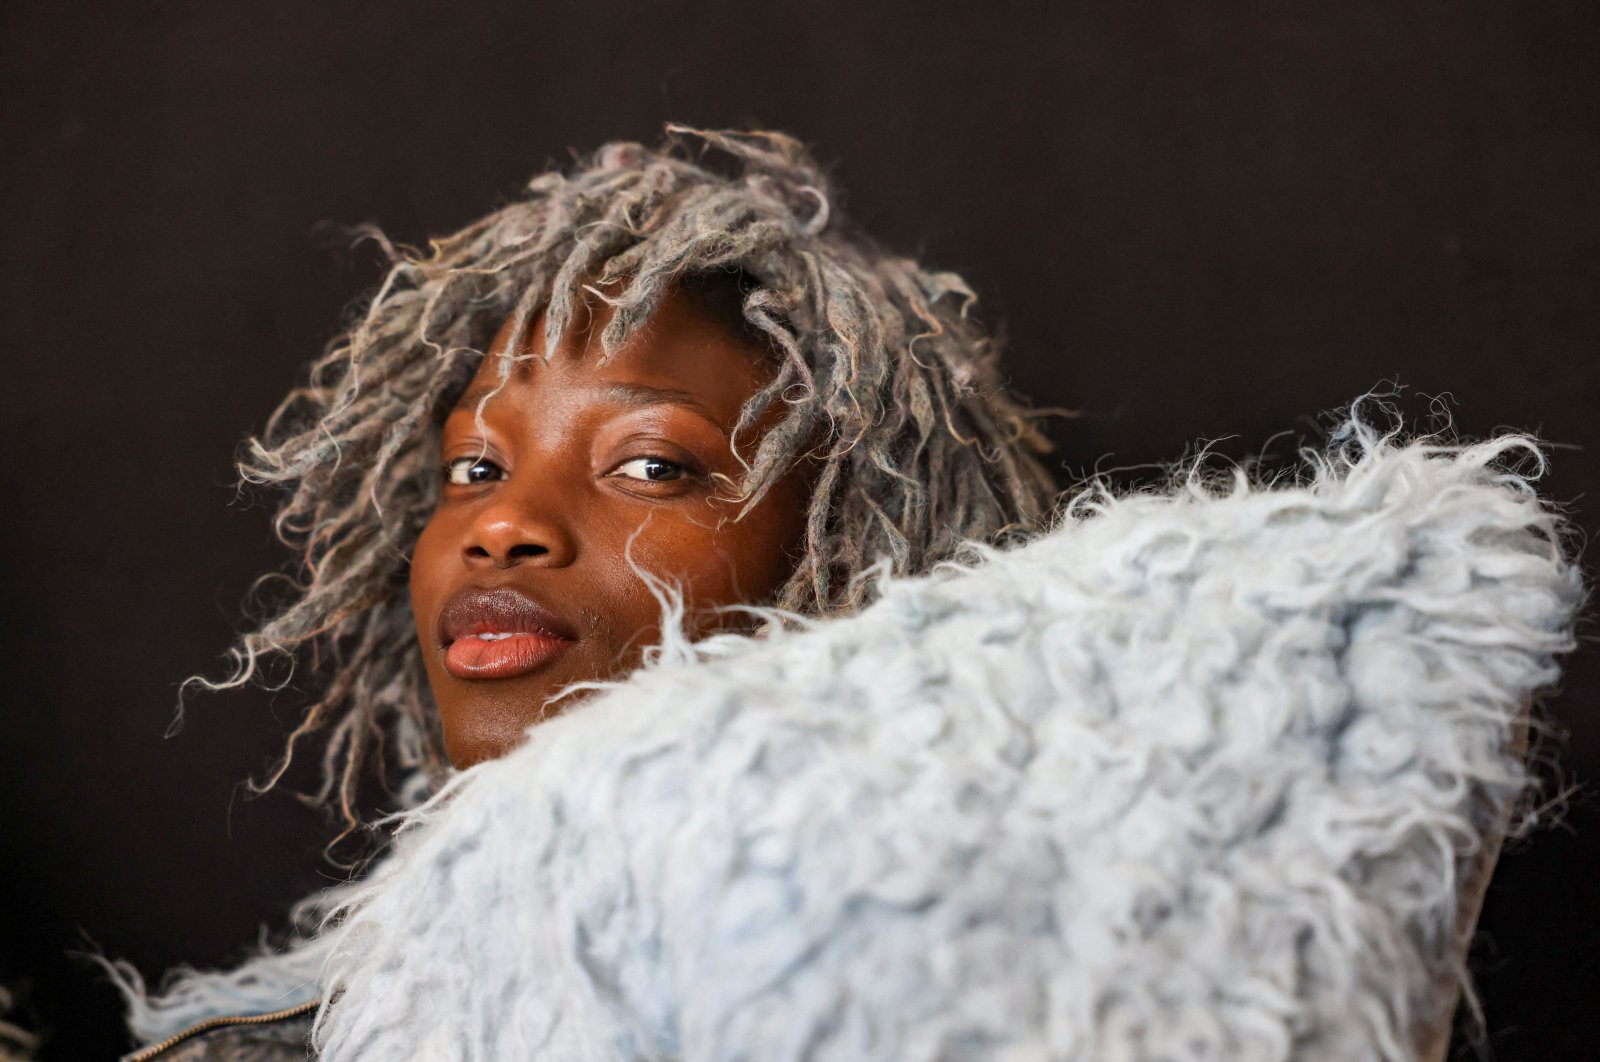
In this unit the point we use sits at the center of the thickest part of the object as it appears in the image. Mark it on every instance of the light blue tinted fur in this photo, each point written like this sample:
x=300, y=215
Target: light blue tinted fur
x=1188, y=776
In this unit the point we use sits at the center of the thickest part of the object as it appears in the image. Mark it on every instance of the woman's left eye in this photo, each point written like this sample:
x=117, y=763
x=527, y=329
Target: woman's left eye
x=470, y=471
x=652, y=469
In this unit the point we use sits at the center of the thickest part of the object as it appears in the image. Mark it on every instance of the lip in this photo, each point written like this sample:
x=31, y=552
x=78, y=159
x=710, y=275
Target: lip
x=500, y=632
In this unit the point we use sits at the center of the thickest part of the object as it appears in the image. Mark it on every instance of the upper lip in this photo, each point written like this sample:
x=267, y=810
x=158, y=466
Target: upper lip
x=499, y=609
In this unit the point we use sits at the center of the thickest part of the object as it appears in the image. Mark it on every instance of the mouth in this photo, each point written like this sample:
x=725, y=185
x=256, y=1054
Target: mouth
x=500, y=632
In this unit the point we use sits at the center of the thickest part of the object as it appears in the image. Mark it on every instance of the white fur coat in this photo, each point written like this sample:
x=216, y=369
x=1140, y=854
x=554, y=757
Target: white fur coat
x=1190, y=776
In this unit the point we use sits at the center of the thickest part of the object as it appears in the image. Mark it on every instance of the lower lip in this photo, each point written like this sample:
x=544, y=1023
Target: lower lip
x=475, y=658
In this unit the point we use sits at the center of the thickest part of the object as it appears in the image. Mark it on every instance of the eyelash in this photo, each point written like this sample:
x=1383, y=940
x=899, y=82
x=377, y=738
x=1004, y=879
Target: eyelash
x=467, y=464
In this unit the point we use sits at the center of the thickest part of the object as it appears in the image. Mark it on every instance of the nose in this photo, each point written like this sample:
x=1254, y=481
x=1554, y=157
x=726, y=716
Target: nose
x=519, y=527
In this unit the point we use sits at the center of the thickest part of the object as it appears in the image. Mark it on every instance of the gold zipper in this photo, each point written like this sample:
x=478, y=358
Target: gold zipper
x=212, y=1024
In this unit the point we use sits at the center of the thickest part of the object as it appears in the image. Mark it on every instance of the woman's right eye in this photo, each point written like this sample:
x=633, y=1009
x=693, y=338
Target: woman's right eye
x=471, y=471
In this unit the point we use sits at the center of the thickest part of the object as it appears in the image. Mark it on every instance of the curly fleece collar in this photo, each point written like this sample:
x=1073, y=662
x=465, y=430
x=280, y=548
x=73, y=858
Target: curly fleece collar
x=1188, y=776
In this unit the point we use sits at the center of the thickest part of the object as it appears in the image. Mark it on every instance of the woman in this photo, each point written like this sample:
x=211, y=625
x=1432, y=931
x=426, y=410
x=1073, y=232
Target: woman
x=675, y=365
x=1215, y=773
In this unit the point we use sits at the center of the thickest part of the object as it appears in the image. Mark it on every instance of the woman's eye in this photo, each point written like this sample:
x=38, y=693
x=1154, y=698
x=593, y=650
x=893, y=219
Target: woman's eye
x=652, y=469
x=470, y=471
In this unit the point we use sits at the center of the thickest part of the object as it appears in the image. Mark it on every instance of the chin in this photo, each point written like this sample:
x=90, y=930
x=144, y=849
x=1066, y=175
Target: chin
x=490, y=719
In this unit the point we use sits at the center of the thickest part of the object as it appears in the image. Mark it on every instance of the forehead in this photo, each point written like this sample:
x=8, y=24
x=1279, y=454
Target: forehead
x=683, y=349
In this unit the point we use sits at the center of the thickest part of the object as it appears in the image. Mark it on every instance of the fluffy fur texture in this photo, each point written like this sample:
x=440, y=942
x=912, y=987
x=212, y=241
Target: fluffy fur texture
x=1189, y=776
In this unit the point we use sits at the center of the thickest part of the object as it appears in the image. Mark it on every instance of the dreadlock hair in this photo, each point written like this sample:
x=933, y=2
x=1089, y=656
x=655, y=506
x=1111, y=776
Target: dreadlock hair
x=922, y=446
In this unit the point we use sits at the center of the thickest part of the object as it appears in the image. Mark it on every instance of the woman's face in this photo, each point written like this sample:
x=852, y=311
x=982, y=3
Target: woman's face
x=519, y=582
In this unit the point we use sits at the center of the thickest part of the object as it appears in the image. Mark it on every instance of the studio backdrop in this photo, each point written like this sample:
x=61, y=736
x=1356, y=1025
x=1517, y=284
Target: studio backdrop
x=1190, y=222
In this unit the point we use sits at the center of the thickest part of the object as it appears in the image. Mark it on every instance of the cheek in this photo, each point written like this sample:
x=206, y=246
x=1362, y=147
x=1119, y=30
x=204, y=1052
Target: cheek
x=689, y=557
x=734, y=563
x=766, y=545
x=426, y=570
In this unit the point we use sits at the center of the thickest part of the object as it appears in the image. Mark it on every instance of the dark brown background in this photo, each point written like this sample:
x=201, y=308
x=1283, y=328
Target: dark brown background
x=1198, y=220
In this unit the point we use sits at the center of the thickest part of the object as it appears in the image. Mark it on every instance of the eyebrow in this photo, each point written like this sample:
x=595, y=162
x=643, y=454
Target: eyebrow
x=628, y=395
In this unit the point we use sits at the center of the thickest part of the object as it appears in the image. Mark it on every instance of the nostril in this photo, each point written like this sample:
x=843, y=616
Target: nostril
x=502, y=557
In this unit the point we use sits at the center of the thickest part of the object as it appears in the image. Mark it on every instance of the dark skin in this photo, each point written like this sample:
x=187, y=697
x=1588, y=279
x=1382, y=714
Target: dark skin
x=569, y=467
